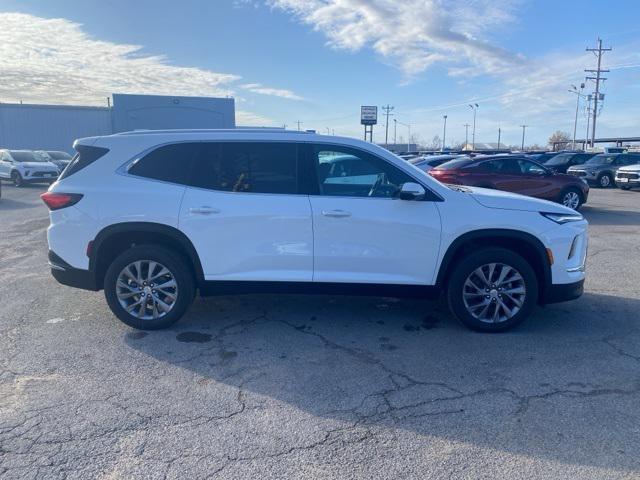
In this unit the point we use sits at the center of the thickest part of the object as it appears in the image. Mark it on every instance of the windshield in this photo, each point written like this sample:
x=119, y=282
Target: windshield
x=453, y=164
x=559, y=159
x=601, y=160
x=24, y=156
x=59, y=155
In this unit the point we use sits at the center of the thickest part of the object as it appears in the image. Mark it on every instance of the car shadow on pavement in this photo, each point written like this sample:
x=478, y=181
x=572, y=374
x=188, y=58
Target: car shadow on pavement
x=564, y=386
x=599, y=216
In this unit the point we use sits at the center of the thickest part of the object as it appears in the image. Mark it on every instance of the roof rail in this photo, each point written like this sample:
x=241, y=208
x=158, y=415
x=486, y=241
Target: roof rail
x=238, y=130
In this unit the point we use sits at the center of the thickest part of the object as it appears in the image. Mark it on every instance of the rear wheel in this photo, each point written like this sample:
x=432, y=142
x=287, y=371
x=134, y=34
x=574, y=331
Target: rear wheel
x=572, y=198
x=492, y=290
x=149, y=287
x=605, y=180
x=16, y=178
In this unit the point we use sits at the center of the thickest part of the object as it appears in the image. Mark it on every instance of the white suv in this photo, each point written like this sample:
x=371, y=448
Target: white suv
x=152, y=217
x=25, y=166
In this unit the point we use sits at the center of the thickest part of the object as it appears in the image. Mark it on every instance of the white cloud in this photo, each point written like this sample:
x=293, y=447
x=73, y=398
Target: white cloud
x=276, y=92
x=245, y=118
x=413, y=34
x=54, y=61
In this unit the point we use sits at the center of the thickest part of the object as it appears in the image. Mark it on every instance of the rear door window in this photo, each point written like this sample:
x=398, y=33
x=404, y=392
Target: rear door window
x=247, y=167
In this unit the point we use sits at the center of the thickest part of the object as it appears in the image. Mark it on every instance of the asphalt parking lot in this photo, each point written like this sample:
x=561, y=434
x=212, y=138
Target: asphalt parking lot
x=318, y=387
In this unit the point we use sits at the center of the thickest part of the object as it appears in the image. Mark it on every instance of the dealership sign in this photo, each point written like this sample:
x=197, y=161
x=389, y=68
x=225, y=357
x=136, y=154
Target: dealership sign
x=368, y=115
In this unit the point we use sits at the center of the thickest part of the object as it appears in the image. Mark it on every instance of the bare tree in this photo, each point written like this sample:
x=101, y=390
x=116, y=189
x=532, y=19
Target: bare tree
x=436, y=143
x=559, y=140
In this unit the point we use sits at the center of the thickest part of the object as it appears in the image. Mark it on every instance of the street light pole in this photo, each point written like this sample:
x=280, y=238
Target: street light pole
x=444, y=133
x=395, y=127
x=499, y=133
x=474, y=107
x=409, y=139
x=578, y=93
x=524, y=127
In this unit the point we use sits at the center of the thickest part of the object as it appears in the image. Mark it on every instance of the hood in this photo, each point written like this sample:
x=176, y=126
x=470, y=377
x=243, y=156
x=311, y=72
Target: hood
x=630, y=168
x=591, y=166
x=39, y=165
x=513, y=201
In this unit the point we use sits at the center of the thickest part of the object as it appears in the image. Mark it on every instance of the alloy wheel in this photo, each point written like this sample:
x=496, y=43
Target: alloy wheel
x=605, y=181
x=571, y=200
x=494, y=293
x=146, y=289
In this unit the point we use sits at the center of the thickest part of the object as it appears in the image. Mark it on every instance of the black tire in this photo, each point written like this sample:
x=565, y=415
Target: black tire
x=17, y=180
x=566, y=192
x=467, y=265
x=178, y=267
x=605, y=180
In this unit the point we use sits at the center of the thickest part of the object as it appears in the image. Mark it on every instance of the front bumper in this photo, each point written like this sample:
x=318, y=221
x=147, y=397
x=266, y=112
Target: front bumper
x=563, y=292
x=70, y=276
x=630, y=182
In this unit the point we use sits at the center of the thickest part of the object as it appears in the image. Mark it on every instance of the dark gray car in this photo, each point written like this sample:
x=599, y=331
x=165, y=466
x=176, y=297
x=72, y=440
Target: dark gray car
x=601, y=169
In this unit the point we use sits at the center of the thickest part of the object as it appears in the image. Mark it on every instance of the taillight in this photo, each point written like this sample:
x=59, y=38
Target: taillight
x=56, y=201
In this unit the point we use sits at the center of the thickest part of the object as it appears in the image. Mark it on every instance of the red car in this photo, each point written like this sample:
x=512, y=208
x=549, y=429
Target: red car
x=515, y=174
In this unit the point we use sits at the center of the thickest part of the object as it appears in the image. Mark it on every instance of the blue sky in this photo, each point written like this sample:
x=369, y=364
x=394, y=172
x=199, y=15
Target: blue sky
x=317, y=61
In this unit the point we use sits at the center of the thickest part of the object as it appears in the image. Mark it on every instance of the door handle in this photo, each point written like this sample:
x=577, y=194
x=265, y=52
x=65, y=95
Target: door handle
x=336, y=213
x=204, y=210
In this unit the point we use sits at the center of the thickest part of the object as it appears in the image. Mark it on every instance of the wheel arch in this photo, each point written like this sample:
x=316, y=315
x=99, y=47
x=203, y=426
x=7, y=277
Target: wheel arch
x=522, y=243
x=116, y=238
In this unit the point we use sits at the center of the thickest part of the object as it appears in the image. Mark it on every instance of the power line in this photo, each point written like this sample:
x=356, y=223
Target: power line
x=387, y=111
x=597, y=79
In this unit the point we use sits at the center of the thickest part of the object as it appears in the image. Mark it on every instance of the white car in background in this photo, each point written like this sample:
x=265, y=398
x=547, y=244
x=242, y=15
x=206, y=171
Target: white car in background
x=628, y=177
x=25, y=166
x=154, y=217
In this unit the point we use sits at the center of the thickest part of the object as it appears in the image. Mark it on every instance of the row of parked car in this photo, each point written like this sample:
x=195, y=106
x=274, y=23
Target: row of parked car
x=32, y=166
x=562, y=177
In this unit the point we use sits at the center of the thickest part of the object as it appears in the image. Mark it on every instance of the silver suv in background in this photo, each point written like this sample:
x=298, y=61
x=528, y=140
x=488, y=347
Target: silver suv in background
x=25, y=166
x=601, y=169
x=628, y=177
x=58, y=158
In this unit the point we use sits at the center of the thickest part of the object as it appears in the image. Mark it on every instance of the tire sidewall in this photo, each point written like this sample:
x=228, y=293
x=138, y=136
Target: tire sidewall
x=603, y=175
x=178, y=267
x=482, y=257
x=17, y=180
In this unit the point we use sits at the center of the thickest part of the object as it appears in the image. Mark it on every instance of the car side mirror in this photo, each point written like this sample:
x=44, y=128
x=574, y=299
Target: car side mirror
x=412, y=191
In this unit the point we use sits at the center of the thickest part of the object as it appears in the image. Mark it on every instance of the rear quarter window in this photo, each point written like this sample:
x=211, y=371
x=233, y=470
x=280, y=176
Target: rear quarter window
x=169, y=163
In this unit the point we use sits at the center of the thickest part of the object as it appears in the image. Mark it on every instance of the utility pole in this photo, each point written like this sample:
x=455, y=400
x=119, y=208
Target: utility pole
x=299, y=123
x=597, y=79
x=586, y=135
x=579, y=94
x=387, y=111
x=524, y=127
x=499, y=133
x=395, y=127
x=466, y=134
x=444, y=132
x=474, y=107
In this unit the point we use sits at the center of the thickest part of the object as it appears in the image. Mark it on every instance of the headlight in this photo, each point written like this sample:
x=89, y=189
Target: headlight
x=562, y=218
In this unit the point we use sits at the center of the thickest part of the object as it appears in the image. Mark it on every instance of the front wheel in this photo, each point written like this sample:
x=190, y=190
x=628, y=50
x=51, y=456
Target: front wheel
x=605, y=180
x=17, y=180
x=149, y=287
x=492, y=290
